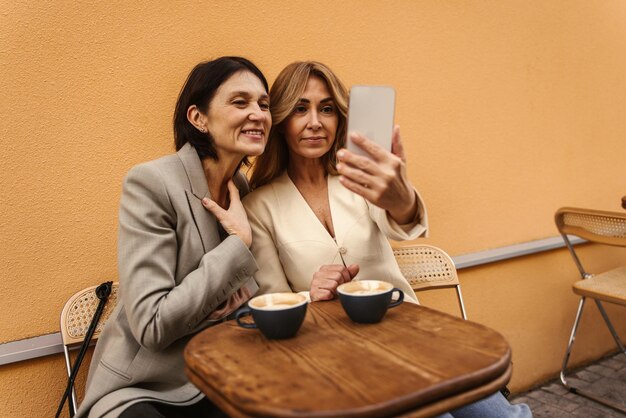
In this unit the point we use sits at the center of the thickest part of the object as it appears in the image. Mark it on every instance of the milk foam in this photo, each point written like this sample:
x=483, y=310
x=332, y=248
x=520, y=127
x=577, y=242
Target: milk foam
x=367, y=291
x=277, y=306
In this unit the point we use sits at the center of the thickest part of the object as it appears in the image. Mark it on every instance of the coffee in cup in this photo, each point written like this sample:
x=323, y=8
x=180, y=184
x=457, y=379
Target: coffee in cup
x=367, y=301
x=276, y=315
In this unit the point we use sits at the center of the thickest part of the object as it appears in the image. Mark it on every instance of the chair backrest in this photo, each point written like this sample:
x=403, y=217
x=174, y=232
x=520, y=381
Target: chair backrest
x=593, y=225
x=75, y=320
x=429, y=267
x=78, y=312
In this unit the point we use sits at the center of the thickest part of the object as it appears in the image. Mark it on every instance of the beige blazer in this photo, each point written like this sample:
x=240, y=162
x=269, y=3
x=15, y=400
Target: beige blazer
x=174, y=270
x=290, y=243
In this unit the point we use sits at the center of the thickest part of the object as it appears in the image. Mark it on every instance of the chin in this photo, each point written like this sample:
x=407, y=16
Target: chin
x=255, y=151
x=316, y=154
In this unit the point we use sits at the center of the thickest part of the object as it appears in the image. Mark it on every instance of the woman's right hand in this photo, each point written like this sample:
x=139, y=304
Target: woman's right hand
x=328, y=277
x=380, y=178
x=234, y=220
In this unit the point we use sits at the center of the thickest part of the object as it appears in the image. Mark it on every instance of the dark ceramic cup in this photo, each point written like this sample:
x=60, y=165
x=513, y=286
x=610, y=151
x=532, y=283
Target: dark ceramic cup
x=366, y=301
x=276, y=315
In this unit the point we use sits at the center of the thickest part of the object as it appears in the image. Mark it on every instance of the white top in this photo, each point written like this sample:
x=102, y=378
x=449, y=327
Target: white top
x=290, y=244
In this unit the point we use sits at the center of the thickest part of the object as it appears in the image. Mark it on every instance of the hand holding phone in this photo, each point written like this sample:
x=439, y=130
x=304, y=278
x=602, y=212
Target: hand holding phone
x=371, y=113
x=380, y=178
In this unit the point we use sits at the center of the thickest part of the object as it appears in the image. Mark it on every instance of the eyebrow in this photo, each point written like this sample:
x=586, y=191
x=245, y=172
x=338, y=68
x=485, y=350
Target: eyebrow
x=327, y=99
x=248, y=94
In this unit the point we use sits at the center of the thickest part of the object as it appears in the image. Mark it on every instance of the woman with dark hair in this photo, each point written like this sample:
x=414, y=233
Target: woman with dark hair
x=183, y=251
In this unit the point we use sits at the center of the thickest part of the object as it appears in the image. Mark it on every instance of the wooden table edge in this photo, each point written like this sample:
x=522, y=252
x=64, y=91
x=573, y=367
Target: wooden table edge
x=465, y=398
x=430, y=410
x=215, y=396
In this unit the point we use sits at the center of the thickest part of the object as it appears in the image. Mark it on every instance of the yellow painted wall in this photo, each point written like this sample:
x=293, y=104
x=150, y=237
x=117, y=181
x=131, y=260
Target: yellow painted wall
x=509, y=109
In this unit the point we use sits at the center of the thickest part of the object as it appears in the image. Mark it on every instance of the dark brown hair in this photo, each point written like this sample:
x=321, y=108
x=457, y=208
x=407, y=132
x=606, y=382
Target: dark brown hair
x=199, y=89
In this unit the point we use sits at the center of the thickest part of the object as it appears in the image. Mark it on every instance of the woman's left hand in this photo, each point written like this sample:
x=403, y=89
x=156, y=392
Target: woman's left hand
x=234, y=219
x=381, y=179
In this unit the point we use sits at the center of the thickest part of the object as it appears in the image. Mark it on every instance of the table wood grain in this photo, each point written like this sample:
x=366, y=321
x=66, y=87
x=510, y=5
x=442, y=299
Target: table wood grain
x=416, y=362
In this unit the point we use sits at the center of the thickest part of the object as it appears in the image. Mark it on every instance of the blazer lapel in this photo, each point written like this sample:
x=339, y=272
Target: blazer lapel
x=204, y=220
x=299, y=205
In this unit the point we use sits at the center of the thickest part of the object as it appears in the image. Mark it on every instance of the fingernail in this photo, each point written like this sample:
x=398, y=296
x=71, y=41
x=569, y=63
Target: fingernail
x=339, y=166
x=205, y=201
x=340, y=153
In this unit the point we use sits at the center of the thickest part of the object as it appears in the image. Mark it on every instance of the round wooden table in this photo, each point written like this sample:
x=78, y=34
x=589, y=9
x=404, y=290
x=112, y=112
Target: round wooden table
x=416, y=362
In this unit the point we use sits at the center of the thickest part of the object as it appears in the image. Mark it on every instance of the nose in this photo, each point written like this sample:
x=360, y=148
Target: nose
x=258, y=114
x=314, y=121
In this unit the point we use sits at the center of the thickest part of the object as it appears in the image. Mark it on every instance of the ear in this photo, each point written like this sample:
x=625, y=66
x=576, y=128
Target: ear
x=197, y=118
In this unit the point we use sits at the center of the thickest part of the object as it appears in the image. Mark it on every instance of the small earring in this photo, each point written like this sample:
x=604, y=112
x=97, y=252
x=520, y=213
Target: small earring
x=203, y=130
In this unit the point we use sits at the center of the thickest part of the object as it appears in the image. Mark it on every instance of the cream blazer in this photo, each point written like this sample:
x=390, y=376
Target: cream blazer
x=290, y=243
x=174, y=271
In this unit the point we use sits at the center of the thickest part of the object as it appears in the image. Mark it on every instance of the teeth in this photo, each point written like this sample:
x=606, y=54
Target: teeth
x=254, y=132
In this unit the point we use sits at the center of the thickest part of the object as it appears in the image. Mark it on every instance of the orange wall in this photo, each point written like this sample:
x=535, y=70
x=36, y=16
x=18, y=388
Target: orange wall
x=507, y=109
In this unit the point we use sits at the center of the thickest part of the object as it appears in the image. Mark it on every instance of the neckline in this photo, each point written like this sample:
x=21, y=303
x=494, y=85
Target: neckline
x=310, y=210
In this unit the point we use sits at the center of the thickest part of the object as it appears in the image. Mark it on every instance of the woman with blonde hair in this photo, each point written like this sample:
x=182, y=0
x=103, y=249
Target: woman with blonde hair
x=321, y=214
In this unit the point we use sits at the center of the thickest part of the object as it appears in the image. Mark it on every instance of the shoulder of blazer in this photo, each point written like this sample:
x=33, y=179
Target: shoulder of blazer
x=168, y=170
x=269, y=194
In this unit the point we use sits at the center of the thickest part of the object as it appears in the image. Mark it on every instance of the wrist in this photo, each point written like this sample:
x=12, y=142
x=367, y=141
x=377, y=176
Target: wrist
x=406, y=213
x=245, y=238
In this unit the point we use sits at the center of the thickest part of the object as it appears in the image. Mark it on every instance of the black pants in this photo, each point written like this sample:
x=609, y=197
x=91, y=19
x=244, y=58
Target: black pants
x=202, y=409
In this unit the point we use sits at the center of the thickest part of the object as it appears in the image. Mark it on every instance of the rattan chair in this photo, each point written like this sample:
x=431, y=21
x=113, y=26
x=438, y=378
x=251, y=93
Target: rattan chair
x=428, y=267
x=75, y=320
x=603, y=228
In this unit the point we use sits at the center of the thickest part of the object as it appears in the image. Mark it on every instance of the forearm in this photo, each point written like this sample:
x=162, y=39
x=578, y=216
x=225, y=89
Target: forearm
x=416, y=227
x=406, y=211
x=160, y=312
x=161, y=306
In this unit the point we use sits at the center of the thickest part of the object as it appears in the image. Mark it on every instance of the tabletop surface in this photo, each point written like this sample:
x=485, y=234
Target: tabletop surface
x=416, y=356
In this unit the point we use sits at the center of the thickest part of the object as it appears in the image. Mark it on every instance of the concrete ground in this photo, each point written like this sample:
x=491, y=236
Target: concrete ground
x=606, y=377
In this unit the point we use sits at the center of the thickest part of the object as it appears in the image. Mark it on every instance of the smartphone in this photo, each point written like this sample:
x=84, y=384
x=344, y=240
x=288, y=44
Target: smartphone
x=370, y=113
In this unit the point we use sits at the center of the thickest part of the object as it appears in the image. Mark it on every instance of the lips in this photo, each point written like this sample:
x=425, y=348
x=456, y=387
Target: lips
x=253, y=131
x=254, y=134
x=314, y=138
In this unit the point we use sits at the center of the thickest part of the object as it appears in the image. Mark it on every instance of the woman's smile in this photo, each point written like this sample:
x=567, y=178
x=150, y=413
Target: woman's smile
x=255, y=134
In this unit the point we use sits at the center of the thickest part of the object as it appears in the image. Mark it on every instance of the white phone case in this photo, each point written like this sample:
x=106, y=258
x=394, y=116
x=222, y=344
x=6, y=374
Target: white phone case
x=371, y=113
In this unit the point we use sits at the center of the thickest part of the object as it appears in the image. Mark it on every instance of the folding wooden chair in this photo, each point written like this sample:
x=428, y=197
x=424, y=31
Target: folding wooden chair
x=428, y=267
x=603, y=228
x=76, y=318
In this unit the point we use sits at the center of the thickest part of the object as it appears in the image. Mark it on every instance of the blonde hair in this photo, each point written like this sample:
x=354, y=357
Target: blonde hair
x=285, y=93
